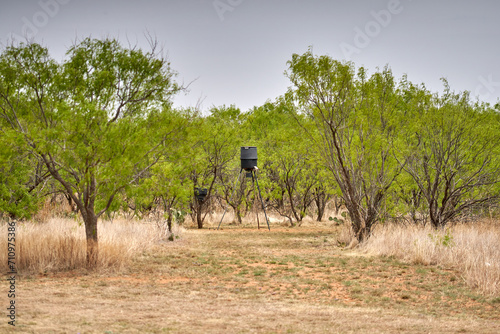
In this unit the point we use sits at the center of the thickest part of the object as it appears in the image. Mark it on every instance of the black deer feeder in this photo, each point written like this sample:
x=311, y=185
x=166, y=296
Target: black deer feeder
x=200, y=194
x=248, y=158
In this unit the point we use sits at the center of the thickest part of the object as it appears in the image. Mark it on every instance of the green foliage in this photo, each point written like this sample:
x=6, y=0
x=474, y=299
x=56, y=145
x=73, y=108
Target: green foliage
x=445, y=240
x=338, y=221
x=16, y=200
x=20, y=176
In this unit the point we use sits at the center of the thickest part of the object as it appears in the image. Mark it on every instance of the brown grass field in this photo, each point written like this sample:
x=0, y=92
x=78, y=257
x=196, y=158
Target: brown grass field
x=243, y=280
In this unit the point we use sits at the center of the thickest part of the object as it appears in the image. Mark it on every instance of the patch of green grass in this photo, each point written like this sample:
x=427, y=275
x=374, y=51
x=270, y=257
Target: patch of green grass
x=421, y=271
x=243, y=272
x=259, y=271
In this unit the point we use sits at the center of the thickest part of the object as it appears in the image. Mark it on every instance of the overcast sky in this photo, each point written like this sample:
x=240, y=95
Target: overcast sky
x=235, y=51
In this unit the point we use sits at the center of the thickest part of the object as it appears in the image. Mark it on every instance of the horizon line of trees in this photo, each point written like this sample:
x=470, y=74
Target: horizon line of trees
x=100, y=129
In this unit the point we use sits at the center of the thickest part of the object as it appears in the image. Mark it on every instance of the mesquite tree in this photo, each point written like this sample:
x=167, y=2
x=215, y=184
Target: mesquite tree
x=98, y=120
x=356, y=118
x=452, y=154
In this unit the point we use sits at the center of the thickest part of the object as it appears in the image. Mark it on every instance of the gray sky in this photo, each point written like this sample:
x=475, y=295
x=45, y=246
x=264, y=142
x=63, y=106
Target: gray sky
x=236, y=50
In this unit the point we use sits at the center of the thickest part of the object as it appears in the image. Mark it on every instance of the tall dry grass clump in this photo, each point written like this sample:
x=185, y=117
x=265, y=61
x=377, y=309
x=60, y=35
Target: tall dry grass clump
x=59, y=244
x=473, y=249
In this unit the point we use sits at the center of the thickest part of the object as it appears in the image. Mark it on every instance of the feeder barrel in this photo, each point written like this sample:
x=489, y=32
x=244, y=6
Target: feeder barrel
x=248, y=153
x=248, y=157
x=201, y=193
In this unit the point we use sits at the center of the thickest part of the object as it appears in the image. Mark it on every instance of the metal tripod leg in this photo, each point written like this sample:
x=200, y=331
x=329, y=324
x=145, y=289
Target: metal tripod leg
x=254, y=172
x=255, y=197
x=231, y=199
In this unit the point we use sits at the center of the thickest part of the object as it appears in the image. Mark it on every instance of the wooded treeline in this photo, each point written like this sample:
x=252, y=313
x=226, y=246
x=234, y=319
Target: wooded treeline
x=100, y=129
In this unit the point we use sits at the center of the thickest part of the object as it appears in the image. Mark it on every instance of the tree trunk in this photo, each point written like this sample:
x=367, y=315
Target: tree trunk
x=85, y=205
x=338, y=204
x=297, y=216
x=70, y=202
x=435, y=217
x=363, y=228
x=320, y=200
x=357, y=221
x=199, y=218
x=167, y=207
x=90, y=220
x=169, y=223
x=238, y=214
x=321, y=212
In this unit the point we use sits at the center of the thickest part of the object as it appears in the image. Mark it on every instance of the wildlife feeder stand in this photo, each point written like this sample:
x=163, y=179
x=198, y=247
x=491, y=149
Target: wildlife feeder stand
x=249, y=165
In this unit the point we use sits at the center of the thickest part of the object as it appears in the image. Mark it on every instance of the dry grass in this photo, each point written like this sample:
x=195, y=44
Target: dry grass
x=59, y=244
x=213, y=219
x=472, y=249
x=257, y=217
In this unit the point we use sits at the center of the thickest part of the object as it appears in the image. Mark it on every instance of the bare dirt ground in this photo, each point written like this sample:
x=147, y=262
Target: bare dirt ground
x=254, y=281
